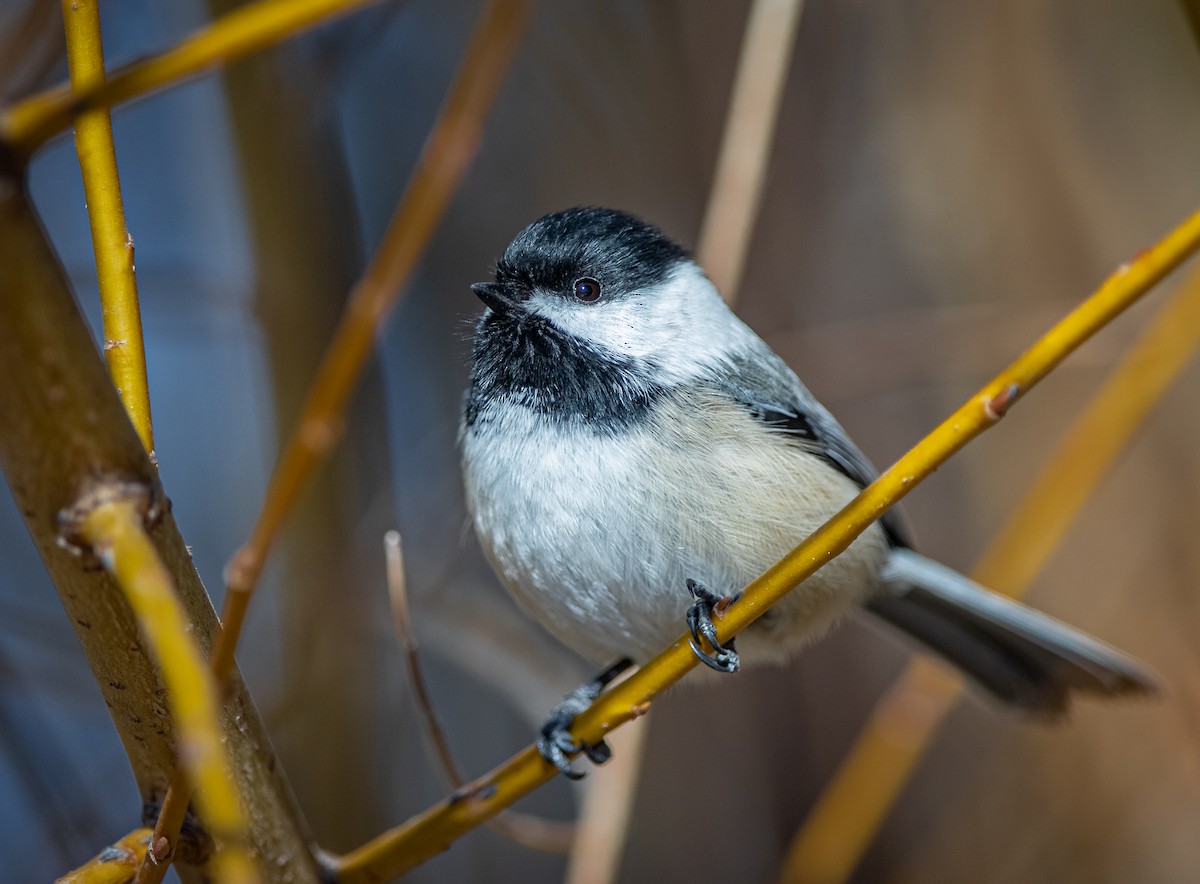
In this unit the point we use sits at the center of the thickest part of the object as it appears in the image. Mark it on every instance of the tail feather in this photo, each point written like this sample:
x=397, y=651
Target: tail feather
x=1020, y=655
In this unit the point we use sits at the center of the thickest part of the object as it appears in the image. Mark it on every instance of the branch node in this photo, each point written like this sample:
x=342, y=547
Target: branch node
x=474, y=792
x=160, y=851
x=102, y=492
x=242, y=571
x=997, y=406
x=193, y=845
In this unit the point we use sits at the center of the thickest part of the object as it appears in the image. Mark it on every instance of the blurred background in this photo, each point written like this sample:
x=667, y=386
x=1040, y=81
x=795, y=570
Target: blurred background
x=946, y=180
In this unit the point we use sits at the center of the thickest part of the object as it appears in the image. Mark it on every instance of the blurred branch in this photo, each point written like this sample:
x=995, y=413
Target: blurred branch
x=607, y=813
x=109, y=520
x=1191, y=8
x=725, y=235
x=114, y=864
x=854, y=805
x=538, y=834
x=432, y=831
x=62, y=428
x=29, y=48
x=306, y=240
x=124, y=349
x=746, y=144
x=443, y=161
x=27, y=125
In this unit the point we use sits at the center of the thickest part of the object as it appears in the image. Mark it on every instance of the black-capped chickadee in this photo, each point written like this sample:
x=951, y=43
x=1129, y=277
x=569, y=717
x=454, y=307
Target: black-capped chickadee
x=634, y=455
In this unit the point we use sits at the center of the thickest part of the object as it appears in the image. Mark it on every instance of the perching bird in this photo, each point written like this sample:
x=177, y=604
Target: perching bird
x=633, y=454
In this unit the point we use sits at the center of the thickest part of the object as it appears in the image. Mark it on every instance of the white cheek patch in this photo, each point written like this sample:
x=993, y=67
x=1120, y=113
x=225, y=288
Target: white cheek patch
x=681, y=326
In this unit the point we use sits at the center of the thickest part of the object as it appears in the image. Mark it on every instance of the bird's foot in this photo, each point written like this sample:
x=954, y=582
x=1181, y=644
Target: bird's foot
x=700, y=623
x=555, y=742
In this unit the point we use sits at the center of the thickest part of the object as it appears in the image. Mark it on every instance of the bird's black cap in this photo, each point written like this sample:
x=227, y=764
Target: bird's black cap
x=623, y=252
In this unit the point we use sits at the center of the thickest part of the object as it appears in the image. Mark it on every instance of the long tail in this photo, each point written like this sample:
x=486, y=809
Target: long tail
x=1021, y=656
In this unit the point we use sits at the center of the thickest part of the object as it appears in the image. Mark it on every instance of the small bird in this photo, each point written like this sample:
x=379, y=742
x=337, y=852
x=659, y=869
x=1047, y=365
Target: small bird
x=634, y=455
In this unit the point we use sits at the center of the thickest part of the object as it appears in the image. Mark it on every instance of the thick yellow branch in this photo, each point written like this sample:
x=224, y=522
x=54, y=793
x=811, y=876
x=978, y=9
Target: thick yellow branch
x=123, y=346
x=26, y=126
x=432, y=831
x=112, y=527
x=62, y=428
x=854, y=805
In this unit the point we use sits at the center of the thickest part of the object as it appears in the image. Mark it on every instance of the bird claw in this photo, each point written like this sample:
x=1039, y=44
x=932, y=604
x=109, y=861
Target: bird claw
x=700, y=623
x=555, y=742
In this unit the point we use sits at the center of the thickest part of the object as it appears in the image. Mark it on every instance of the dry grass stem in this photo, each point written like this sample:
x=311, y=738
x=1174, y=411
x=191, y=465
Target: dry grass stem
x=746, y=144
x=849, y=813
x=123, y=345
x=433, y=830
x=27, y=125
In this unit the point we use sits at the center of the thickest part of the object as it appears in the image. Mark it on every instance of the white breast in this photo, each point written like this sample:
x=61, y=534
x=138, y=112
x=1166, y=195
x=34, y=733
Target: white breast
x=595, y=535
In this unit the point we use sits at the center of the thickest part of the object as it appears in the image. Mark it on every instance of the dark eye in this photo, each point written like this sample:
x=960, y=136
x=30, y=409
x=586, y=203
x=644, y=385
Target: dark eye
x=587, y=289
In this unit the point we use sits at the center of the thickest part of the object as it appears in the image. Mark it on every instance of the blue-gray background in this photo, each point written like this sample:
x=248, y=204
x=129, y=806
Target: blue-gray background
x=947, y=179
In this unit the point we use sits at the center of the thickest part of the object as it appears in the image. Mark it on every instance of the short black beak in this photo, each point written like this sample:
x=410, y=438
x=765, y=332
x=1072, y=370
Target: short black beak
x=495, y=296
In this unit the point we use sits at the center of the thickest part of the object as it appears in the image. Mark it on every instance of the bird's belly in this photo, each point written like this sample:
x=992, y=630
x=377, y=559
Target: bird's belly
x=596, y=536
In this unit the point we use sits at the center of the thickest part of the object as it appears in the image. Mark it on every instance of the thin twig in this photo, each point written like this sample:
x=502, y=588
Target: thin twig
x=539, y=834
x=444, y=159
x=410, y=844
x=855, y=803
x=27, y=125
x=746, y=144
x=171, y=816
x=398, y=595
x=124, y=349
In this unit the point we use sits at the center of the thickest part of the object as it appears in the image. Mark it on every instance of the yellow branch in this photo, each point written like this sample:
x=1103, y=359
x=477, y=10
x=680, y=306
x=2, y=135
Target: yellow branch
x=123, y=345
x=854, y=805
x=113, y=865
x=26, y=126
x=110, y=523
x=432, y=831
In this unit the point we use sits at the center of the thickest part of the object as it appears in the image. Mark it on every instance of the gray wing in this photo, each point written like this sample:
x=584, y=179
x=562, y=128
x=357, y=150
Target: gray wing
x=773, y=395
